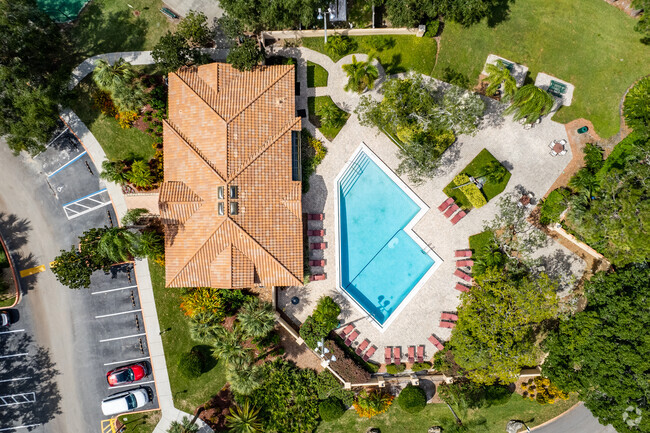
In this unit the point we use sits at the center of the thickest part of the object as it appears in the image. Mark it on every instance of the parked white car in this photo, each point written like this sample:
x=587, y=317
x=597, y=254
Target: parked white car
x=125, y=401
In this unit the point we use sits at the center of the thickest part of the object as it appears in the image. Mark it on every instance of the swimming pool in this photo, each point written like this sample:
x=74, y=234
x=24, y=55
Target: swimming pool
x=381, y=262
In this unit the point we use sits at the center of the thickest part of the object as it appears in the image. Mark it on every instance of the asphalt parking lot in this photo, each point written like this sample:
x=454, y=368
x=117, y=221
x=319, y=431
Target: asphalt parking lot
x=108, y=328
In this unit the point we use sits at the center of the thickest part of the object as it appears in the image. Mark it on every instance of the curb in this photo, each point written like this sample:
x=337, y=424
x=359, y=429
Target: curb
x=12, y=265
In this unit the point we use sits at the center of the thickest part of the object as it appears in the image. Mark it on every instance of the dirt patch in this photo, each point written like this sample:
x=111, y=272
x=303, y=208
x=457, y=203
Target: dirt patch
x=299, y=354
x=214, y=412
x=625, y=6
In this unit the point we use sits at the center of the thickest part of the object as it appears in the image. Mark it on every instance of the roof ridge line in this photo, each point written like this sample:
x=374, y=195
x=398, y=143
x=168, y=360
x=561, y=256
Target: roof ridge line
x=252, y=239
x=194, y=149
x=202, y=83
x=234, y=116
x=270, y=142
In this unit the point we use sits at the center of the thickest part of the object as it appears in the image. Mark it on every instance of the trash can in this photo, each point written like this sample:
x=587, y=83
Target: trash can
x=583, y=130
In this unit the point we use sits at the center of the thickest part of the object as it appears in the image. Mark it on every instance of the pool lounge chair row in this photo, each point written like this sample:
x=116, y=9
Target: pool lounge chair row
x=451, y=207
x=394, y=355
x=465, y=262
x=349, y=334
x=316, y=246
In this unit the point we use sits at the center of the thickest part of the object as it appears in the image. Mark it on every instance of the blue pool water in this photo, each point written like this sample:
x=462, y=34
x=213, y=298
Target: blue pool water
x=379, y=262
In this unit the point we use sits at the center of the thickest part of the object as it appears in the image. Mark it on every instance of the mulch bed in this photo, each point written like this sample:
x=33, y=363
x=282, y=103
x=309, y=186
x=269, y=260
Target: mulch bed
x=214, y=412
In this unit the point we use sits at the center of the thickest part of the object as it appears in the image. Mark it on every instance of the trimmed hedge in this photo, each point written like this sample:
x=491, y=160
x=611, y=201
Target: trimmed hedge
x=412, y=399
x=474, y=195
x=553, y=206
x=395, y=369
x=331, y=409
x=419, y=366
x=460, y=179
x=190, y=364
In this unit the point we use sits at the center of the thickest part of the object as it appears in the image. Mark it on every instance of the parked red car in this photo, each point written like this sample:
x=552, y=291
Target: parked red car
x=126, y=374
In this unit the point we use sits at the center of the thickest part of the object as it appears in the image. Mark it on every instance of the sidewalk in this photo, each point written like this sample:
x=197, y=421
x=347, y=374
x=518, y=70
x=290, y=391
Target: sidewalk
x=295, y=34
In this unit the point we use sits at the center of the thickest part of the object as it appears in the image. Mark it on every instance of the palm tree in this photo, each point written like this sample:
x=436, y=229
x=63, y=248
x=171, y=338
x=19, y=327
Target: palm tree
x=494, y=171
x=530, y=103
x=113, y=171
x=118, y=244
x=244, y=378
x=203, y=329
x=361, y=75
x=339, y=45
x=227, y=346
x=584, y=180
x=327, y=312
x=132, y=216
x=330, y=115
x=256, y=318
x=140, y=174
x=111, y=77
x=244, y=419
x=489, y=257
x=498, y=76
x=150, y=244
x=129, y=97
x=185, y=426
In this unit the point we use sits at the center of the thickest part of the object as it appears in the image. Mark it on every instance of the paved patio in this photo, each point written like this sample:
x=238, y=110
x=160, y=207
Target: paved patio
x=523, y=152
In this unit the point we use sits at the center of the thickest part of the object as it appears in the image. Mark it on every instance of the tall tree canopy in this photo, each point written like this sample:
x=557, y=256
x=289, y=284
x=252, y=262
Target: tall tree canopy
x=410, y=13
x=602, y=352
x=256, y=15
x=31, y=74
x=497, y=324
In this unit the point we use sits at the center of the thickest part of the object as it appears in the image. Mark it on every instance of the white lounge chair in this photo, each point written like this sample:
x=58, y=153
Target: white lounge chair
x=563, y=152
x=553, y=153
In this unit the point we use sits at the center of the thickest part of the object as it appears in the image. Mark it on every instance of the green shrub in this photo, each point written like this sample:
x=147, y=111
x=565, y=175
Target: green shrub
x=331, y=409
x=474, y=195
x=593, y=157
x=461, y=179
x=323, y=320
x=418, y=366
x=313, y=331
x=339, y=45
x=395, y=369
x=432, y=28
x=412, y=399
x=553, y=206
x=191, y=364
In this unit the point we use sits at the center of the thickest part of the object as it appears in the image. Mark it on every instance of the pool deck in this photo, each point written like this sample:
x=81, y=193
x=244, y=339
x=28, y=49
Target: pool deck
x=524, y=152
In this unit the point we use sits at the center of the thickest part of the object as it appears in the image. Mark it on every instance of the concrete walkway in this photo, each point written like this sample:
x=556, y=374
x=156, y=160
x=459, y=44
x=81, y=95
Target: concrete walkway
x=295, y=34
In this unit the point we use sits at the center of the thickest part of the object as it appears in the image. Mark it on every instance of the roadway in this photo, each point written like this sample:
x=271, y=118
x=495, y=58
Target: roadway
x=577, y=420
x=56, y=356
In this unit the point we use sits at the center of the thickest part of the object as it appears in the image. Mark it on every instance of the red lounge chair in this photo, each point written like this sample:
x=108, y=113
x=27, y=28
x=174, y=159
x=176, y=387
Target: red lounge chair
x=318, y=246
x=463, y=275
x=411, y=354
x=362, y=347
x=463, y=263
x=444, y=324
x=445, y=204
x=369, y=353
x=388, y=355
x=453, y=208
x=317, y=277
x=463, y=253
x=315, y=216
x=315, y=232
x=397, y=355
x=421, y=354
x=459, y=216
x=317, y=263
x=351, y=337
x=436, y=342
x=347, y=330
x=449, y=316
x=461, y=287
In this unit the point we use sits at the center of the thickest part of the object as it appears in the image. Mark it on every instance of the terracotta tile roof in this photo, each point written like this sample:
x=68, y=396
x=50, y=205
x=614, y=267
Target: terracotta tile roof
x=226, y=129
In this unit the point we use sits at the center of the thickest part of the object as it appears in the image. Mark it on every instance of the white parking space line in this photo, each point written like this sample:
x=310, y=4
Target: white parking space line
x=71, y=212
x=122, y=338
x=67, y=164
x=127, y=361
x=15, y=380
x=20, y=426
x=130, y=384
x=118, y=314
x=13, y=356
x=113, y=290
x=12, y=331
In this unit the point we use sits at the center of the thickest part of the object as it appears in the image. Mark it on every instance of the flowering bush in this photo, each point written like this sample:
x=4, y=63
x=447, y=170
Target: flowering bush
x=126, y=118
x=474, y=195
x=371, y=403
x=102, y=101
x=203, y=300
x=319, y=150
x=542, y=391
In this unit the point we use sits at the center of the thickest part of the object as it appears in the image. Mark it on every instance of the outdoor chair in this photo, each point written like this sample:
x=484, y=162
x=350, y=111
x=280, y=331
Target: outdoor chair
x=557, y=89
x=318, y=246
x=362, y=347
x=453, y=208
x=551, y=145
x=315, y=216
x=459, y=216
x=562, y=142
x=369, y=353
x=421, y=354
x=553, y=153
x=444, y=324
x=463, y=253
x=463, y=275
x=347, y=330
x=461, y=287
x=351, y=337
x=462, y=263
x=445, y=204
x=397, y=355
x=563, y=152
x=317, y=263
x=411, y=357
x=528, y=125
x=317, y=277
x=436, y=342
x=449, y=316
x=388, y=355
x=315, y=232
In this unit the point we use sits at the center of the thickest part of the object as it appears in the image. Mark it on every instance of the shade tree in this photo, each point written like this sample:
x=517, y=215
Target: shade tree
x=361, y=75
x=500, y=78
x=530, y=103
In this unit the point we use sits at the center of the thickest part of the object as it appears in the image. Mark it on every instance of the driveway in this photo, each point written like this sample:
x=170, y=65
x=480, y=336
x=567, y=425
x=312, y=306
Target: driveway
x=210, y=8
x=578, y=420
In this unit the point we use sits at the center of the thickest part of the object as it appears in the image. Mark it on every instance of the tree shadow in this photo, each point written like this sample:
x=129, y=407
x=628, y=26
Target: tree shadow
x=14, y=230
x=97, y=31
x=559, y=267
x=209, y=361
x=393, y=67
x=40, y=379
x=498, y=13
x=494, y=112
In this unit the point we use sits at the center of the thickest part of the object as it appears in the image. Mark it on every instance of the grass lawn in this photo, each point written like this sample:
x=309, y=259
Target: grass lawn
x=559, y=38
x=478, y=241
x=313, y=104
x=188, y=393
x=476, y=169
x=106, y=26
x=402, y=53
x=118, y=143
x=316, y=75
x=496, y=417
x=144, y=422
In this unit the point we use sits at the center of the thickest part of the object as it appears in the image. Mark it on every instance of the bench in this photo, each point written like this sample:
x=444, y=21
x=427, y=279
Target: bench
x=557, y=89
x=169, y=13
